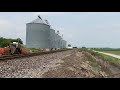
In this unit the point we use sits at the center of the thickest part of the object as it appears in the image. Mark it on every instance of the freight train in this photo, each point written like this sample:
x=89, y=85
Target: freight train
x=17, y=48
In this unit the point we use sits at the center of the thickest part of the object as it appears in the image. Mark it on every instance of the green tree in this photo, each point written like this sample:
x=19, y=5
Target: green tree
x=17, y=40
x=69, y=45
x=5, y=42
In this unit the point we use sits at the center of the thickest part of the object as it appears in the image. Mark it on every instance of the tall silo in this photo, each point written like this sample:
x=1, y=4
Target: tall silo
x=62, y=43
x=56, y=40
x=52, y=38
x=55, y=45
x=37, y=34
x=65, y=44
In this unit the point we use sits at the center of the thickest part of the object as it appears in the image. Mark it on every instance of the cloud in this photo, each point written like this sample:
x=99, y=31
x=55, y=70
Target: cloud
x=60, y=29
x=6, y=28
x=9, y=30
x=5, y=25
x=48, y=13
x=68, y=35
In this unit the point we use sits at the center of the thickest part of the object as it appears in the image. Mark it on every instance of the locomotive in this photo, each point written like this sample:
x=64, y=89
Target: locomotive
x=13, y=48
x=17, y=48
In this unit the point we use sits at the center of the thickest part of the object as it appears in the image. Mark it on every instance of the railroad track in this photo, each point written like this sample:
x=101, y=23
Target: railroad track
x=6, y=57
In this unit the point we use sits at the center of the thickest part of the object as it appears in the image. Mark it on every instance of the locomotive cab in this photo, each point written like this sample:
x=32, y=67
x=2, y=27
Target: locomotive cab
x=15, y=48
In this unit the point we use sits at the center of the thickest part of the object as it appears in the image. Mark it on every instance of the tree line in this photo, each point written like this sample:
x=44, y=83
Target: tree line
x=5, y=42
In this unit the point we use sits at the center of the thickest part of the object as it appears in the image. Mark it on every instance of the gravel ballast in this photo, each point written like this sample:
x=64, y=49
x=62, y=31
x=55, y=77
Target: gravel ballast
x=32, y=67
x=66, y=64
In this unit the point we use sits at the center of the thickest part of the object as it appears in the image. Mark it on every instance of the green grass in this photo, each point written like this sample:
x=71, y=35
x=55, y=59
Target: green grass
x=34, y=50
x=106, y=57
x=113, y=52
x=111, y=59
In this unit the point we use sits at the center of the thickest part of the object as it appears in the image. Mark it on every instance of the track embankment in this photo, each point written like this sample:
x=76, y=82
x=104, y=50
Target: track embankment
x=67, y=64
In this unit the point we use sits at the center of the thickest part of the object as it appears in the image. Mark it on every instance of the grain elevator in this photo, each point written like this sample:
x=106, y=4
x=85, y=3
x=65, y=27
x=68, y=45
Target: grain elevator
x=39, y=34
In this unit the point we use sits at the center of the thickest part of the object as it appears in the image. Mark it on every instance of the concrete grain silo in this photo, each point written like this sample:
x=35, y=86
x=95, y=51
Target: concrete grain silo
x=38, y=34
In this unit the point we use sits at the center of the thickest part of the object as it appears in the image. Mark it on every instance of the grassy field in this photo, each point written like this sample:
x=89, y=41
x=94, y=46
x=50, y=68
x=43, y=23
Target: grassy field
x=113, y=52
x=106, y=57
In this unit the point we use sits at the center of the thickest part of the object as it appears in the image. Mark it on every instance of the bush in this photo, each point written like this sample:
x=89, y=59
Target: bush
x=106, y=57
x=34, y=50
x=5, y=42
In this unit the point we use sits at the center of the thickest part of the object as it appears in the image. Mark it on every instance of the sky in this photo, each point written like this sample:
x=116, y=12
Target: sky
x=89, y=29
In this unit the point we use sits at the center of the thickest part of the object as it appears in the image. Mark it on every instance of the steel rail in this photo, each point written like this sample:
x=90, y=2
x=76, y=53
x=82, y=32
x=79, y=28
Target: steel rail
x=6, y=57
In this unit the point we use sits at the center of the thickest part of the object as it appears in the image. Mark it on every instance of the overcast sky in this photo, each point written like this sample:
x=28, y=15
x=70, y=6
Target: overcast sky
x=90, y=29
